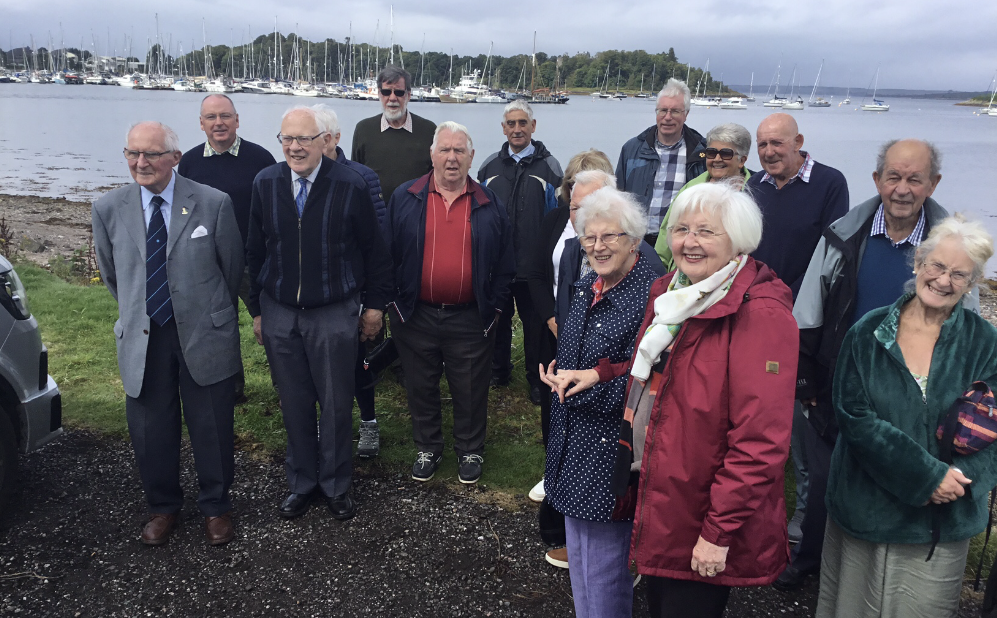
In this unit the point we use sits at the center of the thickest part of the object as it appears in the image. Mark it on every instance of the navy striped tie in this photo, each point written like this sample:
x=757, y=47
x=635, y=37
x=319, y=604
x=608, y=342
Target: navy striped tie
x=157, y=289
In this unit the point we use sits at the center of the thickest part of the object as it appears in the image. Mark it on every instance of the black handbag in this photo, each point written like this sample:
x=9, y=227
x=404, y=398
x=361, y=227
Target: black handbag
x=381, y=357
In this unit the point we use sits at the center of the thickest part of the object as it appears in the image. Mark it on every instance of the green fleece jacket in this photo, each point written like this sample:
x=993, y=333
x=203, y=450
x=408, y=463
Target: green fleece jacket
x=885, y=464
x=661, y=247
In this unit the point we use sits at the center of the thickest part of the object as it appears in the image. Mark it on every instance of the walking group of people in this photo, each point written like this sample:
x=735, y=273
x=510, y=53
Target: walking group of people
x=685, y=321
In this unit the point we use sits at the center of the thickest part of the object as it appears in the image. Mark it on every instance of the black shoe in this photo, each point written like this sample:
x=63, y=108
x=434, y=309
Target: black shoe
x=342, y=507
x=295, y=505
x=469, y=468
x=789, y=580
x=535, y=395
x=425, y=465
x=500, y=380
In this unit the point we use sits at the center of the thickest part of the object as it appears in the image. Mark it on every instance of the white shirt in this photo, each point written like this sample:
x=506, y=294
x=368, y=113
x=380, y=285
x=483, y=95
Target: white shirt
x=167, y=206
x=567, y=234
x=296, y=186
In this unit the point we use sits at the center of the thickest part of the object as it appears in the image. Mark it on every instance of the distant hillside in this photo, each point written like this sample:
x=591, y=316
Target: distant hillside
x=838, y=92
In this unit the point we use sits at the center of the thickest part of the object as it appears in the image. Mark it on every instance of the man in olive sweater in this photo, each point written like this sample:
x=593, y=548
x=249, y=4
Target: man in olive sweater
x=396, y=142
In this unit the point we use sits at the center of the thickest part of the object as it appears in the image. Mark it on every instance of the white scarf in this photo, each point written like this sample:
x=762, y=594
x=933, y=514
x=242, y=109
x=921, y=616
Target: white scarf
x=681, y=301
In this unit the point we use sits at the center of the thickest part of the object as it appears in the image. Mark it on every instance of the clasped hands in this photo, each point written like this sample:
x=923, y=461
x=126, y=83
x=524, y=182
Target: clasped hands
x=952, y=487
x=567, y=382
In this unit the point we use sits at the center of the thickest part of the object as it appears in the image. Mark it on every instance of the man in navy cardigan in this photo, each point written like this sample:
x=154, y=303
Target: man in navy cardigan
x=314, y=250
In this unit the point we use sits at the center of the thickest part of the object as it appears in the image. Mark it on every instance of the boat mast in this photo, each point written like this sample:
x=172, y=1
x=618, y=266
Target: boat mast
x=817, y=81
x=533, y=69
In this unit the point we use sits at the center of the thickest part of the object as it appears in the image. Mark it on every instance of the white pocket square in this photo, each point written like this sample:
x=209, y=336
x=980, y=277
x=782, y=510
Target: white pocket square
x=199, y=231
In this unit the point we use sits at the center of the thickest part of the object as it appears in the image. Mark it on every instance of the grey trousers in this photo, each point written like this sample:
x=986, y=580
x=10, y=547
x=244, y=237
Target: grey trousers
x=154, y=424
x=436, y=340
x=312, y=353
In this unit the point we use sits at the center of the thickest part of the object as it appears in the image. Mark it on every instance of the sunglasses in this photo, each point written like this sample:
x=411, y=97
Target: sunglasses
x=725, y=153
x=386, y=92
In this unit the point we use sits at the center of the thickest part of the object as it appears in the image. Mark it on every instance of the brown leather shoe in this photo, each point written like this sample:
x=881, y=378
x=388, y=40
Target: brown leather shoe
x=158, y=529
x=218, y=530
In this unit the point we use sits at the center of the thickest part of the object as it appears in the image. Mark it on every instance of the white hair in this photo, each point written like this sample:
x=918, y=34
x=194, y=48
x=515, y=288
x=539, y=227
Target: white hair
x=676, y=88
x=738, y=213
x=320, y=119
x=976, y=242
x=597, y=177
x=171, y=143
x=330, y=117
x=519, y=105
x=611, y=204
x=453, y=127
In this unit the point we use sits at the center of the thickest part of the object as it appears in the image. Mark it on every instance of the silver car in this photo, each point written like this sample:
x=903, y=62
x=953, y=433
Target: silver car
x=30, y=404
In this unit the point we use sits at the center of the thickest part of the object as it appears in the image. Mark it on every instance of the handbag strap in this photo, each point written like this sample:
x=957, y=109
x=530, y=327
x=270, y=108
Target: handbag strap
x=950, y=424
x=986, y=539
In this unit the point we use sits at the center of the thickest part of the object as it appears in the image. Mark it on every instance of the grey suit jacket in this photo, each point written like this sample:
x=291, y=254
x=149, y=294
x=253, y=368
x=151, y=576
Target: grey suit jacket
x=204, y=275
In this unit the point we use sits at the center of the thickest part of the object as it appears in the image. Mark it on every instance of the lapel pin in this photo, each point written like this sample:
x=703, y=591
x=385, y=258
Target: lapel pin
x=183, y=211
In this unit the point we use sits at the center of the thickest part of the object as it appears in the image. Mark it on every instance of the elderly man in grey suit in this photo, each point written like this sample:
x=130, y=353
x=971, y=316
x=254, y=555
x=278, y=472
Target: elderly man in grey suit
x=170, y=253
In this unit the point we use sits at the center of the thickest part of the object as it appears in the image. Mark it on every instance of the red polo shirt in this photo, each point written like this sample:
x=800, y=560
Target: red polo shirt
x=446, y=255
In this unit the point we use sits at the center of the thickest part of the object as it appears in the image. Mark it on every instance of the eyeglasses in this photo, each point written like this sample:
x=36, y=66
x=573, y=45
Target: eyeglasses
x=223, y=117
x=610, y=240
x=673, y=112
x=705, y=235
x=151, y=157
x=957, y=277
x=386, y=92
x=711, y=153
x=303, y=140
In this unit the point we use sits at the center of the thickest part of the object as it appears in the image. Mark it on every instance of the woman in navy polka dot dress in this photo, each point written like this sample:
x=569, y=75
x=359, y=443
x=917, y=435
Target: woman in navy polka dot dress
x=590, y=375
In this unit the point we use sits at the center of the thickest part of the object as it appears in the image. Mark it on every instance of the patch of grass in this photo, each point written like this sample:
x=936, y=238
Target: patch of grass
x=76, y=322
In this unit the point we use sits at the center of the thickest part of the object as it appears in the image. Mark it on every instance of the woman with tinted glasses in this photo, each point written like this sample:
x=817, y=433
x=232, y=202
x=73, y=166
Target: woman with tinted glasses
x=728, y=146
x=899, y=371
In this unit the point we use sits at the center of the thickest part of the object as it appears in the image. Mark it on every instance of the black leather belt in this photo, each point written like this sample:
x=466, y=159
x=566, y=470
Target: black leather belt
x=449, y=306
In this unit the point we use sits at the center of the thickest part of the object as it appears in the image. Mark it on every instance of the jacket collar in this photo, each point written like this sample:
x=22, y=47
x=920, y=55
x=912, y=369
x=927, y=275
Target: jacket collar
x=540, y=152
x=420, y=189
x=693, y=140
x=886, y=331
x=756, y=280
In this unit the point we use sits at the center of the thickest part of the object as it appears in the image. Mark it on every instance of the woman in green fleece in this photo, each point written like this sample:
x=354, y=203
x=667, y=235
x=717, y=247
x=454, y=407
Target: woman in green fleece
x=900, y=369
x=727, y=149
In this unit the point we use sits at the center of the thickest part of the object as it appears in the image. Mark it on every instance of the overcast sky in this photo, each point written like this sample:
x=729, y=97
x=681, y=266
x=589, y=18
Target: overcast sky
x=920, y=44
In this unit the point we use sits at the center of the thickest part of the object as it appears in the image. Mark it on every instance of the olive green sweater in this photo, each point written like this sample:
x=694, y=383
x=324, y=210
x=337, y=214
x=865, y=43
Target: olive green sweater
x=885, y=464
x=396, y=155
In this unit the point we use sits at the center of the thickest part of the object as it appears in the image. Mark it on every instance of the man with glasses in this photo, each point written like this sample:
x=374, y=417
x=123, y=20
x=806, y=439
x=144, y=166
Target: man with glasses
x=170, y=253
x=861, y=263
x=524, y=176
x=451, y=245
x=315, y=253
x=657, y=163
x=228, y=163
x=396, y=142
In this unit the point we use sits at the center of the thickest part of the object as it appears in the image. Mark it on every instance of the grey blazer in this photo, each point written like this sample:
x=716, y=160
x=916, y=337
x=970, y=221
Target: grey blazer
x=204, y=275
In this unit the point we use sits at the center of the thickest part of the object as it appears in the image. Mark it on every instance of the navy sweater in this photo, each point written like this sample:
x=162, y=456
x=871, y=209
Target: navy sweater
x=232, y=175
x=882, y=274
x=794, y=219
x=332, y=252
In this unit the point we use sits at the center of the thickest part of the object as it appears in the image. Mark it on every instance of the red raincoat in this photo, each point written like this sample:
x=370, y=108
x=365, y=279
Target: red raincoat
x=718, y=436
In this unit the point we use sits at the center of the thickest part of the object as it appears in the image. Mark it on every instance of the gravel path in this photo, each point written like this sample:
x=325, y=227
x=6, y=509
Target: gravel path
x=69, y=547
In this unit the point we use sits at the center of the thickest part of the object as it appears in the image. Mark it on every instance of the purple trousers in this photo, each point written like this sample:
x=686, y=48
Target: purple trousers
x=601, y=584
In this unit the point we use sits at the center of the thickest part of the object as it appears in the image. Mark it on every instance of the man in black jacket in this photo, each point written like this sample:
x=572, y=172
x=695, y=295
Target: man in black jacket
x=524, y=176
x=315, y=254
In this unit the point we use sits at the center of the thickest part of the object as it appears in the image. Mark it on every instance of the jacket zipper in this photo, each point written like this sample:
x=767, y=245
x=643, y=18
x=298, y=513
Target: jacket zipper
x=645, y=473
x=299, y=259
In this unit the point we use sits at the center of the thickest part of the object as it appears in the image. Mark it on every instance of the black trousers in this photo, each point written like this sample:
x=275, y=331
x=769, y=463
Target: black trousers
x=679, y=598
x=154, y=424
x=548, y=352
x=363, y=385
x=452, y=340
x=502, y=362
x=806, y=555
x=312, y=354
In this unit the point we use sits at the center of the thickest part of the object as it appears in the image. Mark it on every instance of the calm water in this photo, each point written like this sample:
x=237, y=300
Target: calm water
x=66, y=140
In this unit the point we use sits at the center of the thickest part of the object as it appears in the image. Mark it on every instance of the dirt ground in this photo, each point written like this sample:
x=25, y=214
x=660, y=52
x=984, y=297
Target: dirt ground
x=69, y=541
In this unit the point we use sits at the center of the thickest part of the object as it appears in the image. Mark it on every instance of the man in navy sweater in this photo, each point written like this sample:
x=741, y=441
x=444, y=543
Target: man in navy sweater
x=228, y=163
x=314, y=252
x=861, y=263
x=799, y=198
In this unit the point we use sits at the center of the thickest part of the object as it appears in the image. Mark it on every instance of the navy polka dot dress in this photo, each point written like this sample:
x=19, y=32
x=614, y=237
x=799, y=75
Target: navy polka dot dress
x=585, y=429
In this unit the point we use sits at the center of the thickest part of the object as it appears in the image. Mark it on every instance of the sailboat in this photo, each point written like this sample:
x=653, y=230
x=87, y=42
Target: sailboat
x=848, y=96
x=798, y=103
x=751, y=89
x=819, y=101
x=618, y=94
x=602, y=94
x=876, y=105
x=641, y=94
x=776, y=100
x=705, y=101
x=986, y=111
